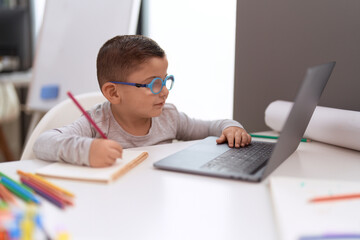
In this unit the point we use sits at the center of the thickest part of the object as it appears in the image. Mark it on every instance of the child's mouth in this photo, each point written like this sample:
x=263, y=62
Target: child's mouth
x=160, y=104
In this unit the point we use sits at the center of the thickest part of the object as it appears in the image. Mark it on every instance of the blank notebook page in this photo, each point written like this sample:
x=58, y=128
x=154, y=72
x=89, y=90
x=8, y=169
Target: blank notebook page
x=129, y=160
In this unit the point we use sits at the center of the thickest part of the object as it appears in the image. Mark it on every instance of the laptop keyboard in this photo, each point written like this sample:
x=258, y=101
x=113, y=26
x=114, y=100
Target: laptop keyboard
x=245, y=160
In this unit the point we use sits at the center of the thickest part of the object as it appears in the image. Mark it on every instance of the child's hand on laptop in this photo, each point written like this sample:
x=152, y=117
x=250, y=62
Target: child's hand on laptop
x=234, y=135
x=104, y=152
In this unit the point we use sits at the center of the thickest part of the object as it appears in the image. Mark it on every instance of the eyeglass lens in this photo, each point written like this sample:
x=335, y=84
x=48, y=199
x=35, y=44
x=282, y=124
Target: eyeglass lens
x=157, y=85
x=169, y=83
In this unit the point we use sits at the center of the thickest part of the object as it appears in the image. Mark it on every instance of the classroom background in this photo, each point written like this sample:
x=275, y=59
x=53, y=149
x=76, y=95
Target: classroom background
x=230, y=58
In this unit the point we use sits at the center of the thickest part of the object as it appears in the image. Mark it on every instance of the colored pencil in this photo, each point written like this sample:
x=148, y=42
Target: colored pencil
x=86, y=115
x=45, y=195
x=335, y=197
x=275, y=137
x=45, y=183
x=28, y=190
x=18, y=190
x=6, y=195
x=50, y=192
x=21, y=185
x=54, y=194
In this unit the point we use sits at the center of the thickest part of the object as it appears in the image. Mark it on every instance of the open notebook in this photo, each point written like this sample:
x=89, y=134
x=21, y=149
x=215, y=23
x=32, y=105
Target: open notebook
x=298, y=218
x=131, y=158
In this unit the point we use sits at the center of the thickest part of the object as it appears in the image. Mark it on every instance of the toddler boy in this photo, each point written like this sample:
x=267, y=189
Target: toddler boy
x=132, y=75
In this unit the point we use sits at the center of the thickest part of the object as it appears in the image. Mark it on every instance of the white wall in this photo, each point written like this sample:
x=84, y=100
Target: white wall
x=199, y=39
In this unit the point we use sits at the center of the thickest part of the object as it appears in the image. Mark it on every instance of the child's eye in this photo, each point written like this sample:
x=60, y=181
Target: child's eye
x=148, y=81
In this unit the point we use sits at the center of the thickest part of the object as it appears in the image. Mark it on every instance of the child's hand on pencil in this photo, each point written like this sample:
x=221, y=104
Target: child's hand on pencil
x=235, y=136
x=104, y=152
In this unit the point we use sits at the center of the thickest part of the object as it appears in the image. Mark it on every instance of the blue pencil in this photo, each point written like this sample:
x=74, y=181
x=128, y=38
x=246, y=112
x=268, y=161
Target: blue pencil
x=21, y=185
x=18, y=190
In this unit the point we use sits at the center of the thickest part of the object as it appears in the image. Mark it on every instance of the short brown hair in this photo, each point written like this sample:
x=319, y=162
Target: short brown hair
x=119, y=56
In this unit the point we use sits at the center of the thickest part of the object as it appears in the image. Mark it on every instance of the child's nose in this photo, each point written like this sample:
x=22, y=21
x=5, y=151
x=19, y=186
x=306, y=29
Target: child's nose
x=164, y=92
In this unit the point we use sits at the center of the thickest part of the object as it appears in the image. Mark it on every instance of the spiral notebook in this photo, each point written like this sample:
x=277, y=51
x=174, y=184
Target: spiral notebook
x=131, y=159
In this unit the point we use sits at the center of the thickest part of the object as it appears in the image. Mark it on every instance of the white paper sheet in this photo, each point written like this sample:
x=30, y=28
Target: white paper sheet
x=329, y=125
x=296, y=217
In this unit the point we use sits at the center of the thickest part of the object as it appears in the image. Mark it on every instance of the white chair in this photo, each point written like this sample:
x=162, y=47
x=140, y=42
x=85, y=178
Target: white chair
x=63, y=113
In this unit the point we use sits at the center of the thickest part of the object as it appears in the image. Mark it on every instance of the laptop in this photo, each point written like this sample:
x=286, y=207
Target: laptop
x=257, y=160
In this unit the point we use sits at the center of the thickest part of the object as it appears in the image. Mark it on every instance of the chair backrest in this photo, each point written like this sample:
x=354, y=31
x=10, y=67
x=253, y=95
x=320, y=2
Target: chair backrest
x=63, y=113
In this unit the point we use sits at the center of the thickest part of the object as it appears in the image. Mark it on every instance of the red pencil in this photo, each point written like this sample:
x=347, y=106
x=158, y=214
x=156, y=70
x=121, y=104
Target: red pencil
x=38, y=186
x=86, y=115
x=57, y=201
x=335, y=197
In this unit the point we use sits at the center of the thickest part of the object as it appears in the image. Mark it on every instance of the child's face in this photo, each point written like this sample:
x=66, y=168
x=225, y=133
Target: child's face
x=141, y=102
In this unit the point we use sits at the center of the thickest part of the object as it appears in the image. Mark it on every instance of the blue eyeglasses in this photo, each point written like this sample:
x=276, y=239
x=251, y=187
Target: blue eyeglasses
x=155, y=86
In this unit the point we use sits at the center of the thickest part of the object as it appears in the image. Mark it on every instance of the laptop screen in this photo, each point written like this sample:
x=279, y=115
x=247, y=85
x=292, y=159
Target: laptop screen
x=304, y=105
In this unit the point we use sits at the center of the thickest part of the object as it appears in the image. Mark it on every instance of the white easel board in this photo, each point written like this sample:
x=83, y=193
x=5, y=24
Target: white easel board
x=70, y=38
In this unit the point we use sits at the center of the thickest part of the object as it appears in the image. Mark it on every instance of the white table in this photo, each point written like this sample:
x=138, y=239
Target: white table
x=148, y=203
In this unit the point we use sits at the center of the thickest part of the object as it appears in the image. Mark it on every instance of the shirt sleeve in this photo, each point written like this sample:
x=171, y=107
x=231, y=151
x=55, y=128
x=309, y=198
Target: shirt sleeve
x=192, y=129
x=69, y=144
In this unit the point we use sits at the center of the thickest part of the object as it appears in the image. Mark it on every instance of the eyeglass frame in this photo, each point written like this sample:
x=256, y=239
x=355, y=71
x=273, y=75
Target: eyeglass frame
x=150, y=85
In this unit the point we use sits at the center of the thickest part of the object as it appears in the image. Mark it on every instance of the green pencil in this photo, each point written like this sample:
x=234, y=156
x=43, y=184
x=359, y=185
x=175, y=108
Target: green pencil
x=22, y=185
x=4, y=181
x=18, y=190
x=275, y=137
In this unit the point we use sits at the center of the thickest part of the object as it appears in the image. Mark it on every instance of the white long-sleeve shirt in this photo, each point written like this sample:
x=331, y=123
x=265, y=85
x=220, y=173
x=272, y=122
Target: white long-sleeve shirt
x=71, y=143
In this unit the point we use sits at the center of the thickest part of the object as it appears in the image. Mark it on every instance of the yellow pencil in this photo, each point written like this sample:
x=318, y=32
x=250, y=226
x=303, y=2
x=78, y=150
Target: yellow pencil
x=42, y=180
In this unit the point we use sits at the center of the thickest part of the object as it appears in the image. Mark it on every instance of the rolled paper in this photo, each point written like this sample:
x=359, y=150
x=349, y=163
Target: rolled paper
x=329, y=125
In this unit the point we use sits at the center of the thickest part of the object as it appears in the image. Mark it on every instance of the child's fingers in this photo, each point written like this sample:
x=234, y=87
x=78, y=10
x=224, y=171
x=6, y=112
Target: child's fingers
x=114, y=153
x=244, y=139
x=235, y=137
x=104, y=152
x=248, y=138
x=230, y=139
x=116, y=149
x=111, y=157
x=107, y=163
x=221, y=139
x=110, y=161
x=238, y=139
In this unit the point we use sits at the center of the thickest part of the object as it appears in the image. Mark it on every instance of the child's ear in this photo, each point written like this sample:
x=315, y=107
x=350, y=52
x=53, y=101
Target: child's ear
x=111, y=93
